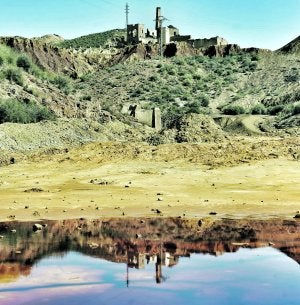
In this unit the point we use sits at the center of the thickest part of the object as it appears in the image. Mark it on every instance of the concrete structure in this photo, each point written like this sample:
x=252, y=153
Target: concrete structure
x=136, y=33
x=205, y=43
x=152, y=117
x=168, y=33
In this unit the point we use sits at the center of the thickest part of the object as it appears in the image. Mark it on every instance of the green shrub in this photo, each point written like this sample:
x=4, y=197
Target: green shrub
x=274, y=110
x=62, y=83
x=10, y=60
x=193, y=107
x=296, y=109
x=204, y=100
x=171, y=116
x=1, y=61
x=293, y=77
x=23, y=62
x=14, y=76
x=233, y=110
x=153, y=78
x=259, y=109
x=23, y=112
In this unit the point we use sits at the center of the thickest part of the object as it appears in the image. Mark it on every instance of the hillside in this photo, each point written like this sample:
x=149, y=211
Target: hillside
x=292, y=47
x=97, y=40
x=229, y=145
x=247, y=83
x=94, y=85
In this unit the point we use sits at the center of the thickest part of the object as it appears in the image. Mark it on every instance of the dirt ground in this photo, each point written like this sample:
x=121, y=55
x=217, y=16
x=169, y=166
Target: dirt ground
x=112, y=180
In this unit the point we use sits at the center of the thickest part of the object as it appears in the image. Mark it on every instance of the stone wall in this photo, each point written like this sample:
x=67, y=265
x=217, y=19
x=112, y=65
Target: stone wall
x=151, y=118
x=205, y=43
x=135, y=33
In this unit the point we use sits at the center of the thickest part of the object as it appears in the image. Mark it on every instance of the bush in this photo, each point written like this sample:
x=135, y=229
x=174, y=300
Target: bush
x=1, y=61
x=62, y=83
x=293, y=77
x=193, y=107
x=23, y=62
x=14, y=75
x=259, y=109
x=204, y=100
x=21, y=112
x=296, y=109
x=233, y=110
x=274, y=110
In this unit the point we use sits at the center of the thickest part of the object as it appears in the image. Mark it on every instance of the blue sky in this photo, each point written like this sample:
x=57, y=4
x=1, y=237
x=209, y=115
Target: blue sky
x=260, y=23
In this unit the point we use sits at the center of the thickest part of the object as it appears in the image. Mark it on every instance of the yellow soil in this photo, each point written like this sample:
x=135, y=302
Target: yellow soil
x=260, y=188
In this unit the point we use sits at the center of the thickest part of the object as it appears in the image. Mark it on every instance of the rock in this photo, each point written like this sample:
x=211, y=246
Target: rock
x=213, y=213
x=36, y=213
x=160, y=199
x=26, y=207
x=34, y=190
x=37, y=227
x=1, y=236
x=18, y=252
x=200, y=223
x=13, y=231
x=64, y=211
x=93, y=245
x=240, y=244
x=138, y=235
x=100, y=182
x=297, y=216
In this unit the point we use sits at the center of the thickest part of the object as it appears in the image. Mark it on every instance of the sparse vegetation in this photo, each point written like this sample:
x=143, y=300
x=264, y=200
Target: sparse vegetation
x=24, y=62
x=259, y=109
x=23, y=112
x=95, y=40
x=14, y=75
x=233, y=109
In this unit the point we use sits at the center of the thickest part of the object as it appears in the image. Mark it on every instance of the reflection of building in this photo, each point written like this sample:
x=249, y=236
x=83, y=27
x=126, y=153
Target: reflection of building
x=137, y=260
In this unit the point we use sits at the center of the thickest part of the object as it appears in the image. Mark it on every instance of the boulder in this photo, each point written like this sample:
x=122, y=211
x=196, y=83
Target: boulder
x=37, y=227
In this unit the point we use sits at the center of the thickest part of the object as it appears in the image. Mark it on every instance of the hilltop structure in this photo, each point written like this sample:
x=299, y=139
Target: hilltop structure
x=137, y=33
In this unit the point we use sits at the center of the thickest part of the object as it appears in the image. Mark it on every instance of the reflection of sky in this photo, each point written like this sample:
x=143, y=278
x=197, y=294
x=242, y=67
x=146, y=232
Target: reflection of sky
x=260, y=276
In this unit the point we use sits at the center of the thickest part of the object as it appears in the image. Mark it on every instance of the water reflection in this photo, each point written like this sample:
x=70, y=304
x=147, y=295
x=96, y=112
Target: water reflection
x=150, y=261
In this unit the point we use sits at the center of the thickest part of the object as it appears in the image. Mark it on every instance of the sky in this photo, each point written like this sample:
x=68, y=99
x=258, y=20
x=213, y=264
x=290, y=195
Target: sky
x=250, y=23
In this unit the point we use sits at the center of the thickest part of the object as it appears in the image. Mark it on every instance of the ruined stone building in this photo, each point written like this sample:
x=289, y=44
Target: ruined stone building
x=137, y=33
x=151, y=118
x=205, y=43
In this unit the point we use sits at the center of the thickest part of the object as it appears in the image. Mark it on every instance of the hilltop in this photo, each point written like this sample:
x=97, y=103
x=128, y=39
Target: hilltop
x=292, y=47
x=97, y=40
